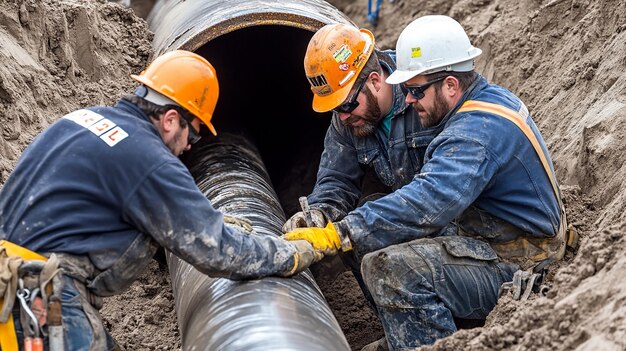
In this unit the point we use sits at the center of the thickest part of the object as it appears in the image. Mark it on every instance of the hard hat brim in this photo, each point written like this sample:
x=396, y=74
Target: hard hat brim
x=398, y=76
x=149, y=84
x=329, y=102
x=211, y=128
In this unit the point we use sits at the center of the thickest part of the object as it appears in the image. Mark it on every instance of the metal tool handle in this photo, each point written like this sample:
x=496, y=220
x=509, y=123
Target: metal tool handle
x=304, y=204
x=33, y=328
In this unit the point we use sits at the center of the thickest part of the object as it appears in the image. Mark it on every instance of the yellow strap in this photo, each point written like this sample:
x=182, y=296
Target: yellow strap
x=24, y=253
x=565, y=232
x=8, y=338
x=518, y=120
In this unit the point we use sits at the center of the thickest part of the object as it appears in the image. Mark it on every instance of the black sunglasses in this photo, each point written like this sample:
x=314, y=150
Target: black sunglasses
x=418, y=90
x=351, y=104
x=194, y=135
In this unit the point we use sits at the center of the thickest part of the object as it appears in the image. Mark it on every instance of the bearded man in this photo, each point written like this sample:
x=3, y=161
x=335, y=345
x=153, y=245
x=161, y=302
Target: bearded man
x=470, y=208
x=375, y=142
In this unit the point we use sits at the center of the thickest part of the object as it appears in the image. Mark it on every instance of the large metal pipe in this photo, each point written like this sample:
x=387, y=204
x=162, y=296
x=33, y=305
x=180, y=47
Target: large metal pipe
x=189, y=24
x=266, y=314
x=271, y=313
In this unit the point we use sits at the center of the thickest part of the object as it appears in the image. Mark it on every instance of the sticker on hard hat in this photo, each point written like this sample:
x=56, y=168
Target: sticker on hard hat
x=416, y=52
x=317, y=81
x=344, y=66
x=342, y=54
x=322, y=91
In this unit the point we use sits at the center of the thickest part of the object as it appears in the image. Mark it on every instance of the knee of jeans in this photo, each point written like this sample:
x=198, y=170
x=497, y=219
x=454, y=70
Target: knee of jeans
x=375, y=265
x=387, y=271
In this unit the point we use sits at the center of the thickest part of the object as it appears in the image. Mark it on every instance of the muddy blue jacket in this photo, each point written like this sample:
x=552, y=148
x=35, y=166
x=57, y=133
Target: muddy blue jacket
x=479, y=165
x=99, y=180
x=395, y=159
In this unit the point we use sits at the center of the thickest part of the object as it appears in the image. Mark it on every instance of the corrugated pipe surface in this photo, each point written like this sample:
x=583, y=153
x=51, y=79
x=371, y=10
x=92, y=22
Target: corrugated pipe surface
x=266, y=314
x=271, y=313
x=189, y=24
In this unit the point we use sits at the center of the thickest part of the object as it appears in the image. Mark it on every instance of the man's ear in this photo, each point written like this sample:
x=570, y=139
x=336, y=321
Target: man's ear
x=168, y=120
x=451, y=87
x=376, y=80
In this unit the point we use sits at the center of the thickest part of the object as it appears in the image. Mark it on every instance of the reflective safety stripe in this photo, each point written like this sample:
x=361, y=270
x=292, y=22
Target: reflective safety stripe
x=8, y=338
x=518, y=120
x=536, y=249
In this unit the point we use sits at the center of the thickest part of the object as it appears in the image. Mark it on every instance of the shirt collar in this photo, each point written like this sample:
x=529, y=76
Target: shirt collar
x=133, y=109
x=399, y=101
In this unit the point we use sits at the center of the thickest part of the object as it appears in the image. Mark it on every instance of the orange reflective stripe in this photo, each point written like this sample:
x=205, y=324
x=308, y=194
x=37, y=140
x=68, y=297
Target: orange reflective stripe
x=564, y=230
x=518, y=120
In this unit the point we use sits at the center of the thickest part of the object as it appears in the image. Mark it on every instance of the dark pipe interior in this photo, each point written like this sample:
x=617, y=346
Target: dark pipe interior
x=265, y=97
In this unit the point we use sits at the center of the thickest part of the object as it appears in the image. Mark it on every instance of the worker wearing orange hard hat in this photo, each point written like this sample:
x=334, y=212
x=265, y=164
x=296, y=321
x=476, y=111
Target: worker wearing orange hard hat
x=97, y=192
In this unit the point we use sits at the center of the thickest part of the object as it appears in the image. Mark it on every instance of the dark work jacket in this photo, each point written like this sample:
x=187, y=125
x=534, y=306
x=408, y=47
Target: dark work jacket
x=100, y=183
x=345, y=159
x=480, y=171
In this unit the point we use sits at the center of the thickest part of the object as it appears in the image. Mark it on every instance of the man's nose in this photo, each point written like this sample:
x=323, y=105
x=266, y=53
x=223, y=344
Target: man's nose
x=409, y=99
x=344, y=116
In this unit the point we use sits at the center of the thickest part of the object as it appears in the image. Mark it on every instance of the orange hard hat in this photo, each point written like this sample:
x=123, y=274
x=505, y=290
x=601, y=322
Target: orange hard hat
x=334, y=58
x=186, y=78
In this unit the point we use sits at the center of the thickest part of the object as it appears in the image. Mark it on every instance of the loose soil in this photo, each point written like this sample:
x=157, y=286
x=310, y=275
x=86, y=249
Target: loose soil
x=565, y=58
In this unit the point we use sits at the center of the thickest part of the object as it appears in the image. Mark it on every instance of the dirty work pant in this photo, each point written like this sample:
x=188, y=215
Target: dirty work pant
x=78, y=329
x=420, y=286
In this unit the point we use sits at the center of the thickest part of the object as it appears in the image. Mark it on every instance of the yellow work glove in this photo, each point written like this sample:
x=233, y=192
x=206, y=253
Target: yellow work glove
x=305, y=256
x=326, y=240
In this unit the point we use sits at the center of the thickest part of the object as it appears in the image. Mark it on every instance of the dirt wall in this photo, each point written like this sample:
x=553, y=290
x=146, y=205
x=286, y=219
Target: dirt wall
x=565, y=58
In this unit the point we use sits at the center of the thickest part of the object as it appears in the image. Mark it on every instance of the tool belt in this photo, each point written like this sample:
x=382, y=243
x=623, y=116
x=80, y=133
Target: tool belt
x=34, y=281
x=537, y=253
x=529, y=252
x=82, y=271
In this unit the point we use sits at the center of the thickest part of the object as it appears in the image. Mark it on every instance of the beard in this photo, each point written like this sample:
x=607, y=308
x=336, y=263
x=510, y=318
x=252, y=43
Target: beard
x=439, y=111
x=370, y=118
x=173, y=144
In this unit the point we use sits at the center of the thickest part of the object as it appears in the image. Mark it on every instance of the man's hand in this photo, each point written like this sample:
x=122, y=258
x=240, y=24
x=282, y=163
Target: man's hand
x=304, y=257
x=298, y=220
x=326, y=240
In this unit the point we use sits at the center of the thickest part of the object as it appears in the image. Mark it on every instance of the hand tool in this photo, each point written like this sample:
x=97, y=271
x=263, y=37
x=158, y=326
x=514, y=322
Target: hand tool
x=304, y=204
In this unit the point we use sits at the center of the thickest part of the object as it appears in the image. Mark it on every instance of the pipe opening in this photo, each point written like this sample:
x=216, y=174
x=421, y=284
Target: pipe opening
x=265, y=97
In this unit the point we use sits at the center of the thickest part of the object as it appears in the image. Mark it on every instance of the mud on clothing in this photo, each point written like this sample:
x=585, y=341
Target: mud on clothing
x=99, y=184
x=475, y=174
x=477, y=161
x=394, y=157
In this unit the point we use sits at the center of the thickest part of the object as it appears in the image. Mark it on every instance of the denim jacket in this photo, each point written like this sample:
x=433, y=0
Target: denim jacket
x=395, y=160
x=479, y=166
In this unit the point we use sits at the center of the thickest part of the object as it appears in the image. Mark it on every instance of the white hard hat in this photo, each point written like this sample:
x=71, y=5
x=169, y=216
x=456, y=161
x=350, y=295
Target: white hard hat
x=432, y=44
